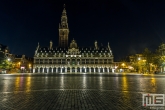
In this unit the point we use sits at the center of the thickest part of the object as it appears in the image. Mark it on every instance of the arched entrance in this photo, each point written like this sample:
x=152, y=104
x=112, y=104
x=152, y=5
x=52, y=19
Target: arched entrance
x=83, y=69
x=50, y=70
x=101, y=70
x=92, y=70
x=73, y=69
x=59, y=70
x=87, y=69
x=105, y=69
x=41, y=70
x=45, y=70
x=96, y=69
x=63, y=69
x=68, y=69
x=78, y=69
x=54, y=70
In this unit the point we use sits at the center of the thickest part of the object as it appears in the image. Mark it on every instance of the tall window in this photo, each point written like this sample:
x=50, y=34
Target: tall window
x=59, y=61
x=92, y=61
x=54, y=61
x=96, y=61
x=41, y=61
x=105, y=61
x=63, y=61
x=50, y=61
x=83, y=61
x=87, y=61
x=46, y=61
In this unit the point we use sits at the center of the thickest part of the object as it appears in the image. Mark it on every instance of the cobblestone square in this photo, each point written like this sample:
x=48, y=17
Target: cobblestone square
x=77, y=91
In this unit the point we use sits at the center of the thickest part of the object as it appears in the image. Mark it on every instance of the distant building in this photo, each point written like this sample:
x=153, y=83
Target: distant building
x=23, y=63
x=123, y=66
x=136, y=57
x=71, y=58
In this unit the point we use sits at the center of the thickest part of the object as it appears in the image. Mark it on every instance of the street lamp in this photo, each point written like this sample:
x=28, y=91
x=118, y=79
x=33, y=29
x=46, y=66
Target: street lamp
x=123, y=64
x=139, y=58
x=30, y=67
x=8, y=59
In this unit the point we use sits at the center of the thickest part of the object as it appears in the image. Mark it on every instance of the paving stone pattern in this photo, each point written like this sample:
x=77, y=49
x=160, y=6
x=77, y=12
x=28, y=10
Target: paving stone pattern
x=77, y=92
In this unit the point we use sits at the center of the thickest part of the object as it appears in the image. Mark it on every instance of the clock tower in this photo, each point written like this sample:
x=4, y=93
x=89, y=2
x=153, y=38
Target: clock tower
x=63, y=30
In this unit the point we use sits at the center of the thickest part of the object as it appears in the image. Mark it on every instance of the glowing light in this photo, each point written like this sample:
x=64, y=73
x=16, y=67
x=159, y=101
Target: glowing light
x=139, y=58
x=123, y=64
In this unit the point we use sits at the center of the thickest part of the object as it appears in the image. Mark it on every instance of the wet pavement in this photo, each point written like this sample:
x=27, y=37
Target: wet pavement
x=77, y=91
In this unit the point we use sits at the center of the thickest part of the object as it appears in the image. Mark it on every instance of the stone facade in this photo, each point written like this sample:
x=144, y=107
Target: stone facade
x=72, y=59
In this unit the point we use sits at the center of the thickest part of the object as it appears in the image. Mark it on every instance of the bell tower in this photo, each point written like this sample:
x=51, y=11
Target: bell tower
x=63, y=30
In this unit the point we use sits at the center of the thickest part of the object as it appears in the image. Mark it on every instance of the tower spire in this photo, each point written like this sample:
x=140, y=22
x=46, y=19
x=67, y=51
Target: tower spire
x=63, y=29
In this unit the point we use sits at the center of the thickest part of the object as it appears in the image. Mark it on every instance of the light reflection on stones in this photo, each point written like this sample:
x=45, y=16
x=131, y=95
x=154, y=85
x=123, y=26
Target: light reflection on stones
x=153, y=84
x=101, y=82
x=28, y=84
x=84, y=82
x=124, y=83
x=17, y=83
x=62, y=82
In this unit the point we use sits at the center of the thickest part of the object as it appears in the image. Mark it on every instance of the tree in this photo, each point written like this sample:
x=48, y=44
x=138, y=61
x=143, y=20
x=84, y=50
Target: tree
x=148, y=55
x=4, y=63
x=159, y=59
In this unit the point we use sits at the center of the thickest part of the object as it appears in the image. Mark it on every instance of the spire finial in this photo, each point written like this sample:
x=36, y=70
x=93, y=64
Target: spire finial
x=108, y=45
x=64, y=5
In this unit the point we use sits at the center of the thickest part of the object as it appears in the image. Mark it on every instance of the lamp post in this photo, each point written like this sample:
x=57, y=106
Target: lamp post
x=123, y=64
x=30, y=68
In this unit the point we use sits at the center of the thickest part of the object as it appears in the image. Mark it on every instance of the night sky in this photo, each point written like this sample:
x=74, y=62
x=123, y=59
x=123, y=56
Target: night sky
x=128, y=25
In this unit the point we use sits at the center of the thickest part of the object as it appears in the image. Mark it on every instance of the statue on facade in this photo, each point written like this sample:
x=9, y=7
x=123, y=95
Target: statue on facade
x=108, y=46
x=109, y=49
x=51, y=44
x=37, y=48
x=96, y=46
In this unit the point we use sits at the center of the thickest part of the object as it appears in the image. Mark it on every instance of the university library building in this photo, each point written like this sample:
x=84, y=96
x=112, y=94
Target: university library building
x=70, y=58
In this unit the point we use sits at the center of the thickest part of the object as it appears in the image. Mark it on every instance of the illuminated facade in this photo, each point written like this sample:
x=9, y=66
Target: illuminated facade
x=22, y=63
x=70, y=58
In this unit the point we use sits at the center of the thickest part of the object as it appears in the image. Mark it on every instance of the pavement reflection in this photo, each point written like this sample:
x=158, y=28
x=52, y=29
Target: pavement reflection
x=90, y=91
